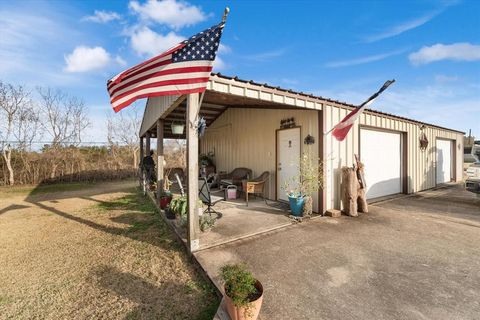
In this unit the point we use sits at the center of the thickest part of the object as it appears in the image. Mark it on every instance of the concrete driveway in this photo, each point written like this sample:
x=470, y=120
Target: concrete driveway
x=416, y=257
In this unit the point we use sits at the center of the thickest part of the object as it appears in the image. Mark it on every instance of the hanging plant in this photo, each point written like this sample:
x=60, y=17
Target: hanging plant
x=177, y=128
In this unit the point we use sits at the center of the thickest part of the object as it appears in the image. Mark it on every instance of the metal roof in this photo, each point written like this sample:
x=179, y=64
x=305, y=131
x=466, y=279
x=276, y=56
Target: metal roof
x=326, y=100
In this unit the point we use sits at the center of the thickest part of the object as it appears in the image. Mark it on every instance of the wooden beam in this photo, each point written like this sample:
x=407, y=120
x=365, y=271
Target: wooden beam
x=160, y=158
x=147, y=144
x=192, y=172
x=142, y=151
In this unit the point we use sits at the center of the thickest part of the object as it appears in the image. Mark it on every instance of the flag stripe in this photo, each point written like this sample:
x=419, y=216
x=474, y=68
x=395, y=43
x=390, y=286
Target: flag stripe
x=126, y=76
x=160, y=79
x=182, y=80
x=185, y=68
x=145, y=64
x=155, y=92
x=167, y=70
x=170, y=87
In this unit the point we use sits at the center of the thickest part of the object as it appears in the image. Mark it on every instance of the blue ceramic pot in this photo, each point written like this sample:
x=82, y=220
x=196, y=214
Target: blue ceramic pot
x=296, y=205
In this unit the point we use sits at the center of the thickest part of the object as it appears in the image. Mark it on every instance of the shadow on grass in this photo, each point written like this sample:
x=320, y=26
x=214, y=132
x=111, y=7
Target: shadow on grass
x=140, y=216
x=171, y=300
x=13, y=207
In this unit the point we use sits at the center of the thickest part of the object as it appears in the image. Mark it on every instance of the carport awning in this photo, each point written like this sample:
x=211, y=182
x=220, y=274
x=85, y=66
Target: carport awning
x=213, y=105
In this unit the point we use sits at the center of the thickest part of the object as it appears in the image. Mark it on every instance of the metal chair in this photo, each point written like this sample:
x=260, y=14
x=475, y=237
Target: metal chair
x=205, y=195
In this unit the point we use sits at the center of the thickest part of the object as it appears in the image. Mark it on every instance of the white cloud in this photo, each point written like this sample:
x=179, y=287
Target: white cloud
x=268, y=55
x=120, y=61
x=222, y=48
x=445, y=78
x=219, y=64
x=462, y=51
x=147, y=42
x=409, y=25
x=362, y=60
x=84, y=59
x=173, y=13
x=403, y=27
x=101, y=16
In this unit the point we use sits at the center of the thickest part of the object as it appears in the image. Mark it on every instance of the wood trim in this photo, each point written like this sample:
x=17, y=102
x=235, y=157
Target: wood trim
x=453, y=162
x=405, y=162
x=322, y=193
x=276, y=155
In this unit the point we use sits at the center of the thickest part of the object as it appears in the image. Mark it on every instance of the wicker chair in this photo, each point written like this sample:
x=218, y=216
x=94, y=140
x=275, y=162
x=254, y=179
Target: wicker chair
x=235, y=177
x=256, y=186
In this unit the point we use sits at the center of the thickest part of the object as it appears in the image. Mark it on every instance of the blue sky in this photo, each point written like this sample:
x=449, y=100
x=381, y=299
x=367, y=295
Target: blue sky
x=342, y=50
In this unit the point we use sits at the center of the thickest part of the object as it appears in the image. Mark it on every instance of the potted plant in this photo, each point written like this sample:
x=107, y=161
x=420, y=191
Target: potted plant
x=169, y=213
x=243, y=293
x=302, y=186
x=179, y=207
x=206, y=222
x=177, y=128
x=165, y=198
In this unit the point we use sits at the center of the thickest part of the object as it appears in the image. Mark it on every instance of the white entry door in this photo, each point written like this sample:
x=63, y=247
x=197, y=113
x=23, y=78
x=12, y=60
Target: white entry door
x=444, y=161
x=288, y=158
x=381, y=153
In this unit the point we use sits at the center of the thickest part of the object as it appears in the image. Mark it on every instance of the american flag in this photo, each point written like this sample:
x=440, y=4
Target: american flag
x=341, y=130
x=182, y=69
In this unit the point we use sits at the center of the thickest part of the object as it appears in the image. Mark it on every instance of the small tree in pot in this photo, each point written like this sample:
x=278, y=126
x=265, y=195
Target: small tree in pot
x=301, y=187
x=243, y=293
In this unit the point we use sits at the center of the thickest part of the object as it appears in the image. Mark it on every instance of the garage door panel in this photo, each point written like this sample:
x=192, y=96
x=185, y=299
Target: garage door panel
x=381, y=153
x=444, y=161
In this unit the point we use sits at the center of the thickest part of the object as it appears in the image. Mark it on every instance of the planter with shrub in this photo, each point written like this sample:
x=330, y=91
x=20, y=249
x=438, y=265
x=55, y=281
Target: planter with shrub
x=243, y=293
x=301, y=187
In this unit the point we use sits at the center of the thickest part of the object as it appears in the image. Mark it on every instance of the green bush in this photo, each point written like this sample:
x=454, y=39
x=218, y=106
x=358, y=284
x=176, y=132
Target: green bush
x=239, y=284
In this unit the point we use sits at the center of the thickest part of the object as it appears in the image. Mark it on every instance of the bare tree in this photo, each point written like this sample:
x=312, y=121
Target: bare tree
x=15, y=117
x=65, y=117
x=123, y=128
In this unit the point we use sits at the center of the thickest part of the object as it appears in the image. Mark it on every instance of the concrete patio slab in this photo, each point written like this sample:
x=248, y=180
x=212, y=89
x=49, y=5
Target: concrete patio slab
x=400, y=261
x=238, y=221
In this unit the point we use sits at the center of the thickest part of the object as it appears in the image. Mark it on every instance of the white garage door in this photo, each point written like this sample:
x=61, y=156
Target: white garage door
x=444, y=161
x=381, y=153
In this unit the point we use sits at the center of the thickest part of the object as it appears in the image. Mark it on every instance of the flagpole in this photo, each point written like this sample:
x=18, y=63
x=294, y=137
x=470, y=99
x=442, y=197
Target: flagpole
x=224, y=19
x=369, y=100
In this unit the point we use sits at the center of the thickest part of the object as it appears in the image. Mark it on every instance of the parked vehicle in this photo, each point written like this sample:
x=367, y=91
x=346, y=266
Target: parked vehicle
x=472, y=183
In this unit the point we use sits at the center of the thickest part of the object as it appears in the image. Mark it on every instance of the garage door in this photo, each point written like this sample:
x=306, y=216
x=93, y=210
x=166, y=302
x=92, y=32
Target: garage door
x=444, y=161
x=381, y=153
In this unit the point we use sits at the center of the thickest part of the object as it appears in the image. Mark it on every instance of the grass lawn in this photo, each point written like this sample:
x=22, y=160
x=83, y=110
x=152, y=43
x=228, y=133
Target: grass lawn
x=94, y=254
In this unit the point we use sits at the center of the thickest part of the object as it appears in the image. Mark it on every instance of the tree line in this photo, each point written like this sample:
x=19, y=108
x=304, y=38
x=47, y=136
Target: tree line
x=60, y=120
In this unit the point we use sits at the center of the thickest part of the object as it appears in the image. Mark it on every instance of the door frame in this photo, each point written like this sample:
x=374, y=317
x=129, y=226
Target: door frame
x=276, y=155
x=453, y=160
x=403, y=151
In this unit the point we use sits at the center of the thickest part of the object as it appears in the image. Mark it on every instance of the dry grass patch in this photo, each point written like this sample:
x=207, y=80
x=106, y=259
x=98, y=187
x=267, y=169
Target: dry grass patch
x=111, y=258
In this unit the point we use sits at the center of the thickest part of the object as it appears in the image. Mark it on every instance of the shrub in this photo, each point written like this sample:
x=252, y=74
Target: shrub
x=239, y=284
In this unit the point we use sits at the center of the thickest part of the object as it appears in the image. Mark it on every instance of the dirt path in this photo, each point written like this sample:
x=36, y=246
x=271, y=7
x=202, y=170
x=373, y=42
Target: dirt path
x=98, y=252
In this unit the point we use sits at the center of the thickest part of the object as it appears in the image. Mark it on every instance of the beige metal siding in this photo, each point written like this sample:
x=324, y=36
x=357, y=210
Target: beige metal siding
x=246, y=138
x=420, y=164
x=154, y=110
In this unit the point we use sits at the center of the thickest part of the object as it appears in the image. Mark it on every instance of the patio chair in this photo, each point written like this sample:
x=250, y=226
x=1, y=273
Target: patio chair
x=256, y=186
x=235, y=177
x=205, y=195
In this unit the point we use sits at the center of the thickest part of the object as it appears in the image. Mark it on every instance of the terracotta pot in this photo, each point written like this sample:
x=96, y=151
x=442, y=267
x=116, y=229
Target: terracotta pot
x=253, y=308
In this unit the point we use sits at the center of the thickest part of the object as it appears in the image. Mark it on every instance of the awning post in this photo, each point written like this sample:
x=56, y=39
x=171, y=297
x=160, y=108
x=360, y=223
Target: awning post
x=193, y=107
